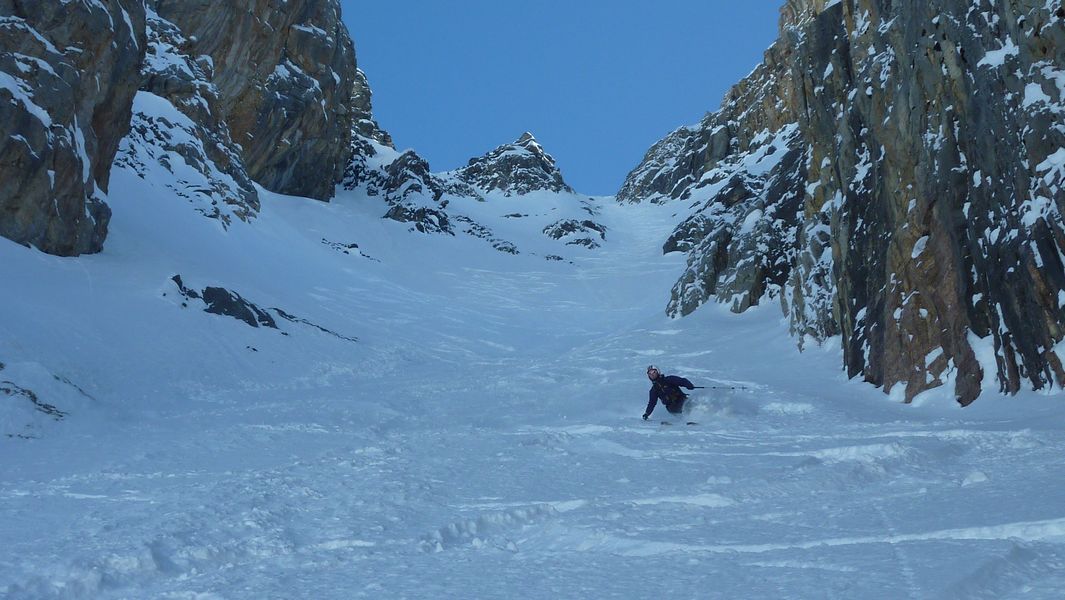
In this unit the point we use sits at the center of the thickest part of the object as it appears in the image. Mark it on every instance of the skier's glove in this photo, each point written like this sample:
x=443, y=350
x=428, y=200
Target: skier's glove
x=645, y=417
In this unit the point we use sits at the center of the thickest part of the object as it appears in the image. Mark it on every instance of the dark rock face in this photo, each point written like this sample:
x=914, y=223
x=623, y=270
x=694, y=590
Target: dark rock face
x=285, y=75
x=68, y=74
x=413, y=192
x=421, y=218
x=221, y=301
x=578, y=233
x=514, y=169
x=350, y=249
x=475, y=229
x=914, y=202
x=407, y=176
x=8, y=388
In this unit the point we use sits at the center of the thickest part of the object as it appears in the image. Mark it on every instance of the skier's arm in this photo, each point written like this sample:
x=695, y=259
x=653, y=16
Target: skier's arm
x=651, y=403
x=679, y=381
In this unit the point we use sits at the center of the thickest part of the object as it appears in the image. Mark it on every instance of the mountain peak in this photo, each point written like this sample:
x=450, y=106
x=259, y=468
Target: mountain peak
x=515, y=169
x=529, y=141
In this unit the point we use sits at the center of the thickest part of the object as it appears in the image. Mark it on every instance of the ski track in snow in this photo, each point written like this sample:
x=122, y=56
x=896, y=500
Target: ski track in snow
x=484, y=436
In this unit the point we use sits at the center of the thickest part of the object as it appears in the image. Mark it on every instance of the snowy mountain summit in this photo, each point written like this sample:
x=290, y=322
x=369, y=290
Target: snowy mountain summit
x=465, y=200
x=515, y=169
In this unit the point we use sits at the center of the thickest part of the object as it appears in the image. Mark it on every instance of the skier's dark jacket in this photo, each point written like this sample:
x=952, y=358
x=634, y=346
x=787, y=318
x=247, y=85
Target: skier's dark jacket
x=667, y=389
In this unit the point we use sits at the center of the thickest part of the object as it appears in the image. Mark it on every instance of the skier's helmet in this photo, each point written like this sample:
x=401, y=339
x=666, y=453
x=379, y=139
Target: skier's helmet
x=653, y=372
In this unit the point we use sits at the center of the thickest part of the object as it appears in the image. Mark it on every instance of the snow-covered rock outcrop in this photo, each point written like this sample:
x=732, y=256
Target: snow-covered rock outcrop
x=892, y=174
x=68, y=74
x=178, y=126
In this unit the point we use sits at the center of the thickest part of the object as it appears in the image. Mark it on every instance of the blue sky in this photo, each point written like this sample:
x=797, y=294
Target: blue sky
x=597, y=82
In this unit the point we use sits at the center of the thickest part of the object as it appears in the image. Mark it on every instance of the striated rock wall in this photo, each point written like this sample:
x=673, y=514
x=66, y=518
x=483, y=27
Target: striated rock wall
x=285, y=74
x=68, y=74
x=949, y=232
x=893, y=173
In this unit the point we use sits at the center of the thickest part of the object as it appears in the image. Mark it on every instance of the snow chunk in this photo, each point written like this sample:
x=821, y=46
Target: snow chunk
x=932, y=356
x=704, y=500
x=984, y=349
x=1033, y=94
x=312, y=29
x=788, y=408
x=919, y=247
x=997, y=58
x=750, y=222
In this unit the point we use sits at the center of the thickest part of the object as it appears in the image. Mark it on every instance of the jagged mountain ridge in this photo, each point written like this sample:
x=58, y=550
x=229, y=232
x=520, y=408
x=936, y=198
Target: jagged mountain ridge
x=892, y=174
x=521, y=171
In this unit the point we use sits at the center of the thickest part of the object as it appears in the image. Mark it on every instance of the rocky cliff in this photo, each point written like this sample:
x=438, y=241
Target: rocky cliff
x=892, y=173
x=68, y=74
x=285, y=74
x=218, y=94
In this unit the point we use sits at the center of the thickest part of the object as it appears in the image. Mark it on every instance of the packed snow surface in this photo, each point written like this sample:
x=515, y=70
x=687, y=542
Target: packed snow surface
x=443, y=420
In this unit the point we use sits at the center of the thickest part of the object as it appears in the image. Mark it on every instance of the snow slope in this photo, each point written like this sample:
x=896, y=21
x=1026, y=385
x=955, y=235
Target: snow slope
x=441, y=420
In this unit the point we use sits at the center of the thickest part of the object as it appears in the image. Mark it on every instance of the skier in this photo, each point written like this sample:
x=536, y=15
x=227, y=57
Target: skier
x=667, y=389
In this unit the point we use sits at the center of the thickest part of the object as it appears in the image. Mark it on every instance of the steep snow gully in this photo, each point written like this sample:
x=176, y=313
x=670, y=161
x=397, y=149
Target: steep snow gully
x=439, y=419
